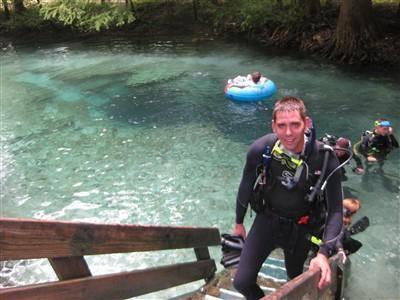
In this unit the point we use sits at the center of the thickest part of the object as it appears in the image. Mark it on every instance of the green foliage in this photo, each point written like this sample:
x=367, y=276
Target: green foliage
x=87, y=16
x=250, y=15
x=385, y=1
x=29, y=18
x=258, y=13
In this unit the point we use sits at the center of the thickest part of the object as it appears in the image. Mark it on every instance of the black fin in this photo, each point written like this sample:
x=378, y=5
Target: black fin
x=232, y=263
x=227, y=245
x=351, y=245
x=359, y=226
x=231, y=248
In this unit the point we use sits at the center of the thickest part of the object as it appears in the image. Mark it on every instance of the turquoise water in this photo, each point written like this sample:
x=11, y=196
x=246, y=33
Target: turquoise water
x=120, y=131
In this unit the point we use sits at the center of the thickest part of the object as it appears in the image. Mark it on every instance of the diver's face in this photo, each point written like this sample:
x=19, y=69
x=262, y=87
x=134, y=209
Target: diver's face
x=382, y=130
x=290, y=127
x=340, y=153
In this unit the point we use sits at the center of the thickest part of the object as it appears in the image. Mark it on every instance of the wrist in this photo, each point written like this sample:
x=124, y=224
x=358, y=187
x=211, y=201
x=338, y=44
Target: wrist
x=323, y=251
x=239, y=220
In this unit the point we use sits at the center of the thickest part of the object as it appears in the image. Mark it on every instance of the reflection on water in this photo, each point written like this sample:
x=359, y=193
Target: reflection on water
x=117, y=131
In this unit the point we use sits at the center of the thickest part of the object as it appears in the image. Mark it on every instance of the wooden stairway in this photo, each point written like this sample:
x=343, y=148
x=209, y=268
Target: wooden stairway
x=221, y=288
x=65, y=244
x=274, y=287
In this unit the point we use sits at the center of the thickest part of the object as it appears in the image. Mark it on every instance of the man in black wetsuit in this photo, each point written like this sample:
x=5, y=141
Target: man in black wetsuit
x=375, y=145
x=287, y=216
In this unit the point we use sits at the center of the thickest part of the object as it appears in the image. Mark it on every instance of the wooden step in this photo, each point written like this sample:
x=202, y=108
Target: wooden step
x=221, y=286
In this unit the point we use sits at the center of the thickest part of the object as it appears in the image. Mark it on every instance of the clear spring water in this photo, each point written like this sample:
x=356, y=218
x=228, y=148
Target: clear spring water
x=122, y=131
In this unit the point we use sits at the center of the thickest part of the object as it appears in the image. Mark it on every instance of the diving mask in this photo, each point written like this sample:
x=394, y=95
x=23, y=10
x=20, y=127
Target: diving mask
x=383, y=123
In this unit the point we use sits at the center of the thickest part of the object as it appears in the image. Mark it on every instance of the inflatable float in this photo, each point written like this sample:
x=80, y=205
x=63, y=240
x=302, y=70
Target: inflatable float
x=249, y=93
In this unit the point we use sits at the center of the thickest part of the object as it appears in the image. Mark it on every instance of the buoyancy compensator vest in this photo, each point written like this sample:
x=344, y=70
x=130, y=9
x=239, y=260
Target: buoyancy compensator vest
x=289, y=186
x=377, y=144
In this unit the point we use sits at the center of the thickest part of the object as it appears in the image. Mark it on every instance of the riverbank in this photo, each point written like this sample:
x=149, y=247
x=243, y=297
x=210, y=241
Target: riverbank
x=316, y=36
x=313, y=36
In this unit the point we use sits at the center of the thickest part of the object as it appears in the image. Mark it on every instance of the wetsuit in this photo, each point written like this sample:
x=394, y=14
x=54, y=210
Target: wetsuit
x=277, y=225
x=372, y=144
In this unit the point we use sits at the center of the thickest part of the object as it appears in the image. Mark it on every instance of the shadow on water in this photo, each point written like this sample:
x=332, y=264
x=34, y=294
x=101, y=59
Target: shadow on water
x=373, y=177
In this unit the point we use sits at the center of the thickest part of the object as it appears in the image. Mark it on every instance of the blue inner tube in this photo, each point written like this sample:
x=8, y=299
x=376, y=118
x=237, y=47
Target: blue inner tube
x=251, y=93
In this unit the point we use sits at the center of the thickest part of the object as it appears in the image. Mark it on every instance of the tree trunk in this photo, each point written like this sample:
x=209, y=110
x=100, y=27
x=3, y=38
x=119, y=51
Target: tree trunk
x=169, y=10
x=6, y=10
x=19, y=6
x=398, y=11
x=355, y=30
x=312, y=8
x=129, y=5
x=195, y=9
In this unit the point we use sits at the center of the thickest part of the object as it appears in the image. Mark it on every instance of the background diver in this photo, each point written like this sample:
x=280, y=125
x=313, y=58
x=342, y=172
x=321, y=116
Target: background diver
x=343, y=150
x=375, y=145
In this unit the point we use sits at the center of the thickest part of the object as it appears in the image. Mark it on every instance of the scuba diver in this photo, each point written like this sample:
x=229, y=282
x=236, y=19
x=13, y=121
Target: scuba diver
x=342, y=147
x=285, y=177
x=347, y=243
x=375, y=145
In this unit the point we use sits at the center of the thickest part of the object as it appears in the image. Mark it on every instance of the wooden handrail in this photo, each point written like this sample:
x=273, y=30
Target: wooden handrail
x=307, y=284
x=115, y=286
x=27, y=239
x=66, y=243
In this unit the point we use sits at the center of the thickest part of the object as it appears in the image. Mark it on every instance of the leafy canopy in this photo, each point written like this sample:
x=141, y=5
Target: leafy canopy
x=87, y=16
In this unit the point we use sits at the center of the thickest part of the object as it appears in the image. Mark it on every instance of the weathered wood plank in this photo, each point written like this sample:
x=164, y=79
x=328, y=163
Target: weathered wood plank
x=70, y=267
x=298, y=287
x=26, y=238
x=202, y=253
x=115, y=286
x=307, y=284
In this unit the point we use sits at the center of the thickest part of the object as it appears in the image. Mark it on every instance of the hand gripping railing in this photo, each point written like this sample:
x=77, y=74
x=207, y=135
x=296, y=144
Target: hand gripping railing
x=305, y=286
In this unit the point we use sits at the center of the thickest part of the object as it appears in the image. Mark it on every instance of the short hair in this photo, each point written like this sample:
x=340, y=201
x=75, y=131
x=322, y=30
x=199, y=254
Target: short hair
x=256, y=76
x=380, y=120
x=290, y=103
x=343, y=143
x=353, y=201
